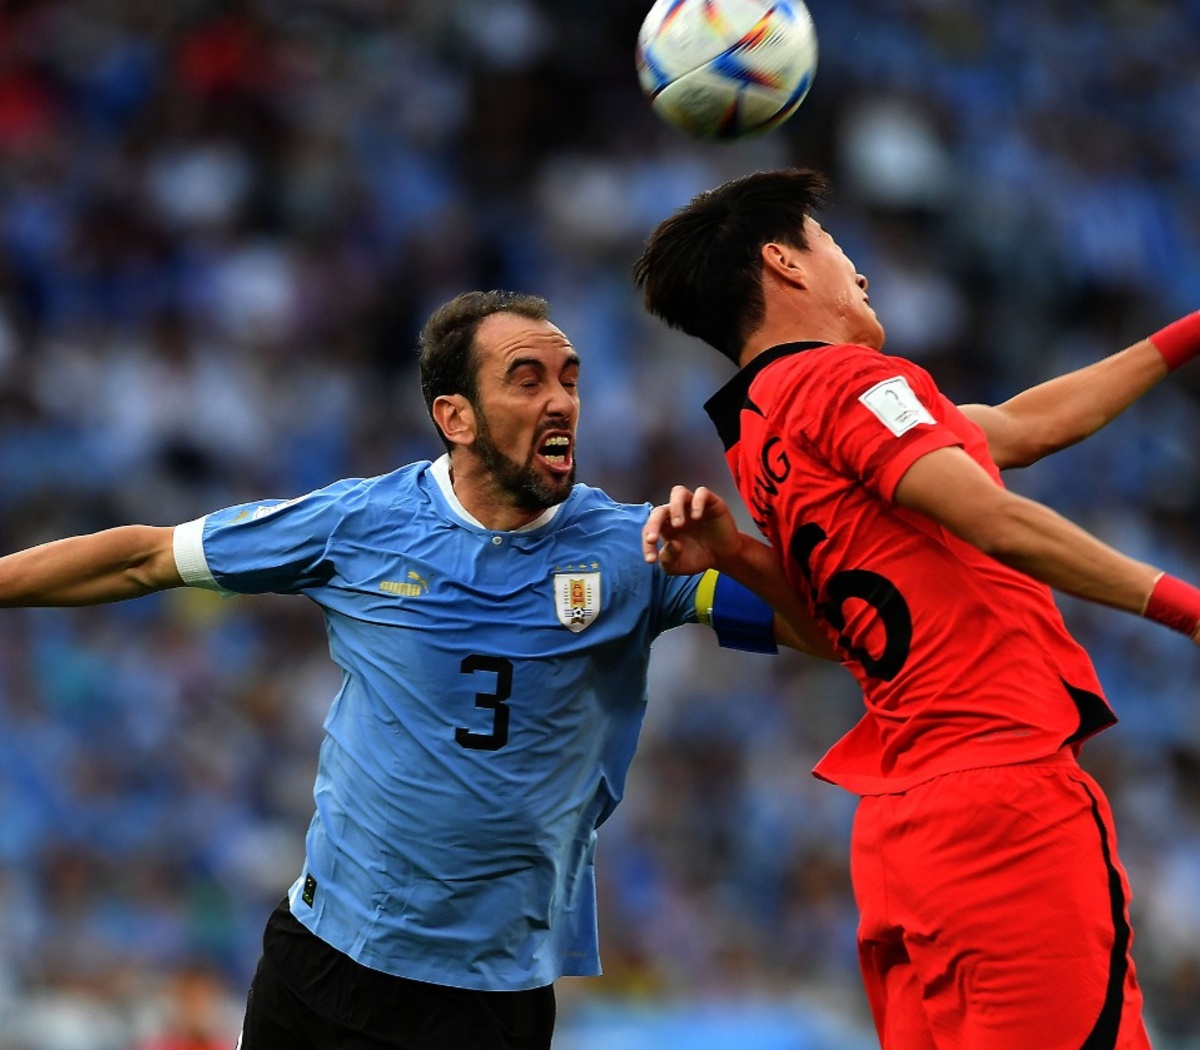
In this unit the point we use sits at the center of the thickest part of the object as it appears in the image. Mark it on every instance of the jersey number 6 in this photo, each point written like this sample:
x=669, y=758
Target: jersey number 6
x=877, y=591
x=493, y=701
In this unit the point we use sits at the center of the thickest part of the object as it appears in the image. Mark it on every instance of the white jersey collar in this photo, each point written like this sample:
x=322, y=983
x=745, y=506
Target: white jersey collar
x=440, y=470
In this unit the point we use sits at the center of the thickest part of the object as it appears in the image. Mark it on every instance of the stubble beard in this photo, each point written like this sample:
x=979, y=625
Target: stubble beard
x=527, y=489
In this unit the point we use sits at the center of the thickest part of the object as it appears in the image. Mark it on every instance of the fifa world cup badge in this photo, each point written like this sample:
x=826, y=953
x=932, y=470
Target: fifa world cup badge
x=577, y=598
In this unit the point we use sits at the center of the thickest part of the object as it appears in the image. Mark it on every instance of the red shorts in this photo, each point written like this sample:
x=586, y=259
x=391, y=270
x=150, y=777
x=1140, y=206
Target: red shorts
x=994, y=914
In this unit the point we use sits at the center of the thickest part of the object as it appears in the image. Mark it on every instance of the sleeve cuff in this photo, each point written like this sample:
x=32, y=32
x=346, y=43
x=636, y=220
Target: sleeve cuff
x=920, y=445
x=188, y=543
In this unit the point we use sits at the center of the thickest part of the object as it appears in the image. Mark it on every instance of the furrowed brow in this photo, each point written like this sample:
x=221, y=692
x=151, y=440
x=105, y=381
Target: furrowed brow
x=517, y=363
x=536, y=363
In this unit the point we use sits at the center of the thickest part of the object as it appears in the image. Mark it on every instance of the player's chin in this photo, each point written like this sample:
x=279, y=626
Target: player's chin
x=561, y=487
x=557, y=486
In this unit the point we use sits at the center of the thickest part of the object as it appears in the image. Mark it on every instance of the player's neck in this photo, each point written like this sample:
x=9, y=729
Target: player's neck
x=807, y=330
x=793, y=314
x=486, y=502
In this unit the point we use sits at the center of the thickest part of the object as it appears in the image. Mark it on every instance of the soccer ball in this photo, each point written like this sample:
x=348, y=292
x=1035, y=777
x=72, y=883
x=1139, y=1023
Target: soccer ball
x=726, y=69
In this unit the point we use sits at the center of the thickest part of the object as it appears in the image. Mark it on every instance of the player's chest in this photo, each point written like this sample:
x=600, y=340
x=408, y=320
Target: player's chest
x=496, y=583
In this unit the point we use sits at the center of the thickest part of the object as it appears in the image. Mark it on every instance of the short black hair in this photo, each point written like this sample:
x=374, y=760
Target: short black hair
x=701, y=269
x=448, y=361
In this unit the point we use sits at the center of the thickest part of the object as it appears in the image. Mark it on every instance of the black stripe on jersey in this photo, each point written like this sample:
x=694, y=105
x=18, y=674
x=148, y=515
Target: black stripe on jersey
x=1103, y=1035
x=1094, y=713
x=725, y=406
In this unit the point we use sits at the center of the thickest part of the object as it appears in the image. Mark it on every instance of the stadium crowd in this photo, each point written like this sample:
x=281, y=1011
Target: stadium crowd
x=220, y=227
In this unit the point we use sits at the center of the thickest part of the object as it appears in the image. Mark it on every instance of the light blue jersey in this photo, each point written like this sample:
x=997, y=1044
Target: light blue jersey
x=493, y=690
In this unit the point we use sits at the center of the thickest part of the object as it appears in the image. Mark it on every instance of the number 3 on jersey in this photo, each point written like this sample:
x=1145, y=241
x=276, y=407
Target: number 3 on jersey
x=488, y=701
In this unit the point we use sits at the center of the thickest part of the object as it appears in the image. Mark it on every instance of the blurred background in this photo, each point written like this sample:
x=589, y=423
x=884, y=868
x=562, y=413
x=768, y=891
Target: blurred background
x=221, y=225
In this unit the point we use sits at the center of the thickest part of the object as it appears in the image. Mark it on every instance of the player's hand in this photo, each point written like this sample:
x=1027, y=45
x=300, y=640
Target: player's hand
x=692, y=532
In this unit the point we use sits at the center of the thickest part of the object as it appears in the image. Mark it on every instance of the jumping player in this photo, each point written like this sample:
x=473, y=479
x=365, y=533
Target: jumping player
x=993, y=907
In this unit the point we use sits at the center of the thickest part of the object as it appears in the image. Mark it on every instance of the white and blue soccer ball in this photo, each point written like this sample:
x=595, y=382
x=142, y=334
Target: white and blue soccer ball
x=726, y=69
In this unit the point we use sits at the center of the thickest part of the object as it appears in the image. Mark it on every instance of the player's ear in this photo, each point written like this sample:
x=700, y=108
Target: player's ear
x=785, y=263
x=455, y=416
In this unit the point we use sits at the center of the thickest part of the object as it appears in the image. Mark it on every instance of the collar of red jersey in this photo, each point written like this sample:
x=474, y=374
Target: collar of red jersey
x=725, y=406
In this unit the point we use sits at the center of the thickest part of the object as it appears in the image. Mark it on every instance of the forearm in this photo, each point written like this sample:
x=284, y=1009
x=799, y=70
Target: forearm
x=108, y=566
x=1075, y=406
x=1071, y=407
x=754, y=565
x=1041, y=543
x=1063, y=411
x=695, y=531
x=1051, y=549
x=950, y=488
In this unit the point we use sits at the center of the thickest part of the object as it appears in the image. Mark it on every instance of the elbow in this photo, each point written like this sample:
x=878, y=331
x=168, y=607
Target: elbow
x=150, y=565
x=1029, y=448
x=999, y=544
x=1036, y=442
x=1023, y=455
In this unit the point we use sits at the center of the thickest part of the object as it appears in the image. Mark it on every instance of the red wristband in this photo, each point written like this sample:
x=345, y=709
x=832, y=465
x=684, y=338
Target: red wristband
x=1174, y=604
x=1179, y=342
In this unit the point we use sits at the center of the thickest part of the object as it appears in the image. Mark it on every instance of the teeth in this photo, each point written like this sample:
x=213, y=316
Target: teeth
x=558, y=442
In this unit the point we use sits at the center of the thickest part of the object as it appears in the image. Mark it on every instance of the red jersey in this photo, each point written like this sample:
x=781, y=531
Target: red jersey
x=963, y=661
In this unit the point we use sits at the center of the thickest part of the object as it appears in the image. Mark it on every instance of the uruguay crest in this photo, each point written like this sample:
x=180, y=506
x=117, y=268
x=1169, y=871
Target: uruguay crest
x=577, y=598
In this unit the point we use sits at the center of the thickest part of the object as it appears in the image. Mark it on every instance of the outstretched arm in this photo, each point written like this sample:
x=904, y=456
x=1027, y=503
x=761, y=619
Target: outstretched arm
x=952, y=489
x=108, y=566
x=1071, y=407
x=696, y=531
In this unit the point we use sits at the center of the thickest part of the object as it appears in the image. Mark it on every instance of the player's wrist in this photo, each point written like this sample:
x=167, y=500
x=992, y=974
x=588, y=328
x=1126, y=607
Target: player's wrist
x=743, y=550
x=730, y=555
x=1179, y=341
x=1174, y=604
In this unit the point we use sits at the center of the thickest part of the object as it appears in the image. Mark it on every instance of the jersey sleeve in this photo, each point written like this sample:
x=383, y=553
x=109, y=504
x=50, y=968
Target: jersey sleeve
x=279, y=546
x=873, y=418
x=738, y=616
x=676, y=599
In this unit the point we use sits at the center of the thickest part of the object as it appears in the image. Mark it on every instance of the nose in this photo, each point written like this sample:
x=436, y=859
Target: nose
x=861, y=281
x=563, y=402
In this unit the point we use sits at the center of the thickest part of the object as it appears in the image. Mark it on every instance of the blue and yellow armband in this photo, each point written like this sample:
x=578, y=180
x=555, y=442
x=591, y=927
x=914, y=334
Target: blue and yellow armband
x=740, y=618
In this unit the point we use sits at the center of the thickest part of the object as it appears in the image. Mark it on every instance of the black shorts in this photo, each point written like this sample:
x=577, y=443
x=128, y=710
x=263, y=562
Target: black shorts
x=307, y=995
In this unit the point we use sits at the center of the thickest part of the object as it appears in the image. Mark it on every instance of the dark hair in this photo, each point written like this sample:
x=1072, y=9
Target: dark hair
x=448, y=361
x=701, y=269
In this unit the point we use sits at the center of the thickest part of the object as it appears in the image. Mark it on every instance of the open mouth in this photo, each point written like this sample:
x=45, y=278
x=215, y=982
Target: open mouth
x=555, y=452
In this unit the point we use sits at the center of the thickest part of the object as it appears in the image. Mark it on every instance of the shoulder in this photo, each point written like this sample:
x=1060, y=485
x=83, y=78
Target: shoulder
x=594, y=517
x=359, y=499
x=822, y=368
x=402, y=483
x=601, y=508
x=842, y=374
x=851, y=362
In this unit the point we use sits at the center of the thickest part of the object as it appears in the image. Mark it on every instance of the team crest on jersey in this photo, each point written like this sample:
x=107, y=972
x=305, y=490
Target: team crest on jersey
x=577, y=598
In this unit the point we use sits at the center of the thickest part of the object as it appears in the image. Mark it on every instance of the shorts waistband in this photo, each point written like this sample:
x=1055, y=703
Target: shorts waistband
x=1064, y=756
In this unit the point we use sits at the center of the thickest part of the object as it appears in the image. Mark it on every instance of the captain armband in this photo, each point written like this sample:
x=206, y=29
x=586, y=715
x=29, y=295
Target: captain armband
x=740, y=618
x=1179, y=342
x=1174, y=604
